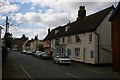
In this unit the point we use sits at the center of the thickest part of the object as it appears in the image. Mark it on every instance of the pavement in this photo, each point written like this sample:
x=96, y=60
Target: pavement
x=12, y=69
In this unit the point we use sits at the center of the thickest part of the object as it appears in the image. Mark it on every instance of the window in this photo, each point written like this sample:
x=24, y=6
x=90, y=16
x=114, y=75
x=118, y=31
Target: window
x=69, y=40
x=69, y=51
x=92, y=54
x=62, y=50
x=90, y=36
x=57, y=50
x=52, y=41
x=77, y=39
x=63, y=40
x=57, y=41
x=56, y=31
x=67, y=27
x=77, y=52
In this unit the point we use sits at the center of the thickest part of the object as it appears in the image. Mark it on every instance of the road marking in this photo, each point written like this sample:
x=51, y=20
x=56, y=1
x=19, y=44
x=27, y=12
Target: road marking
x=26, y=71
x=72, y=75
x=22, y=67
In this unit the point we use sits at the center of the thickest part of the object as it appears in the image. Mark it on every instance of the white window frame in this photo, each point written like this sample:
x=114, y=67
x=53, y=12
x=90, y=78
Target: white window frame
x=77, y=52
x=66, y=28
x=77, y=38
x=90, y=37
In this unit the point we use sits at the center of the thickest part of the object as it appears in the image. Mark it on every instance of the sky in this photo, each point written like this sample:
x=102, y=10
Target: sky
x=35, y=17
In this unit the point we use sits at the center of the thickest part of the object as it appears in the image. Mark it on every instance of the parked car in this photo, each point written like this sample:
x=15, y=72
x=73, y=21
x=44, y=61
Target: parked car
x=14, y=49
x=38, y=53
x=23, y=51
x=33, y=53
x=28, y=52
x=61, y=59
x=44, y=55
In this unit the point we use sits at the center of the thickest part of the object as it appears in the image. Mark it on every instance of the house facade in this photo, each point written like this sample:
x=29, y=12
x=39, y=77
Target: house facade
x=24, y=47
x=27, y=44
x=47, y=46
x=47, y=41
x=18, y=42
x=88, y=39
x=115, y=19
x=33, y=45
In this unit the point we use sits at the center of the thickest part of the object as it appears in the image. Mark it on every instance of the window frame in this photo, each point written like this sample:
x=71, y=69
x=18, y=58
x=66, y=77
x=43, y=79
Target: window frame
x=77, y=38
x=90, y=37
x=77, y=52
x=91, y=54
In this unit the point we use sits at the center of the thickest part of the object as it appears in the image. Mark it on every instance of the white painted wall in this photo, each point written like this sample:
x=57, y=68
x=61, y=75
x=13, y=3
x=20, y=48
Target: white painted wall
x=104, y=31
x=24, y=46
x=34, y=45
x=83, y=44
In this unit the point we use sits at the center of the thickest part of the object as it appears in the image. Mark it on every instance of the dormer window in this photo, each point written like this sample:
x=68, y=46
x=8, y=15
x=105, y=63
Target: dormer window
x=77, y=39
x=56, y=31
x=67, y=27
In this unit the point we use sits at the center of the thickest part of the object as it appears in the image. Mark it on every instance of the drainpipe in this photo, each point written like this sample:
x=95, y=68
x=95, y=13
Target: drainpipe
x=98, y=46
x=36, y=44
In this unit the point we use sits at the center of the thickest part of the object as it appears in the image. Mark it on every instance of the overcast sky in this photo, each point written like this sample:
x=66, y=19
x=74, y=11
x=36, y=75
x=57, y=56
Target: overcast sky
x=34, y=17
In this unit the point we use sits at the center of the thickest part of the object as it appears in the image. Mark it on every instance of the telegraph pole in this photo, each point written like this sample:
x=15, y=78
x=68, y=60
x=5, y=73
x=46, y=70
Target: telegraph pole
x=7, y=36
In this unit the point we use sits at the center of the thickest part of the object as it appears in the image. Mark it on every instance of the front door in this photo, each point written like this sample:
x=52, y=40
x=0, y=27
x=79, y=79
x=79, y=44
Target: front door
x=68, y=52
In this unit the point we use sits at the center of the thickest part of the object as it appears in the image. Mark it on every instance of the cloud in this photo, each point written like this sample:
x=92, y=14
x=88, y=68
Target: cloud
x=7, y=7
x=31, y=30
x=31, y=17
x=27, y=17
x=51, y=14
x=55, y=19
x=36, y=1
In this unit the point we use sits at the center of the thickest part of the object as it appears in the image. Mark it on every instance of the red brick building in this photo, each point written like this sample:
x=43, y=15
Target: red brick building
x=115, y=22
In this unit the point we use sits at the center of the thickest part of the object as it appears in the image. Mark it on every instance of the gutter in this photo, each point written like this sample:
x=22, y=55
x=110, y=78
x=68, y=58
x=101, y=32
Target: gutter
x=98, y=46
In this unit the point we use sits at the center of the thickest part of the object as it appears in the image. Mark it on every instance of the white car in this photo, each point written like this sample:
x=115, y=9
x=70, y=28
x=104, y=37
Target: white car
x=37, y=53
x=28, y=52
x=23, y=51
x=61, y=59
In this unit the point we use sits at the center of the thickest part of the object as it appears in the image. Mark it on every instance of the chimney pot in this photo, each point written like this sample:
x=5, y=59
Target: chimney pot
x=81, y=13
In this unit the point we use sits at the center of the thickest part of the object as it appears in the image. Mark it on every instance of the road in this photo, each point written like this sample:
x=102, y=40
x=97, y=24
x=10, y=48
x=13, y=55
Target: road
x=39, y=68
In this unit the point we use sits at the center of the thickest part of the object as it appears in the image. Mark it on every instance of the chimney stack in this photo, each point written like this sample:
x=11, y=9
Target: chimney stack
x=81, y=13
x=49, y=31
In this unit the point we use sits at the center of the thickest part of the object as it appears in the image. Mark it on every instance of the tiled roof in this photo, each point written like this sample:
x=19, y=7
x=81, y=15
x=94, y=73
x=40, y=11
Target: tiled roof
x=18, y=41
x=87, y=24
x=48, y=37
x=115, y=12
x=60, y=33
